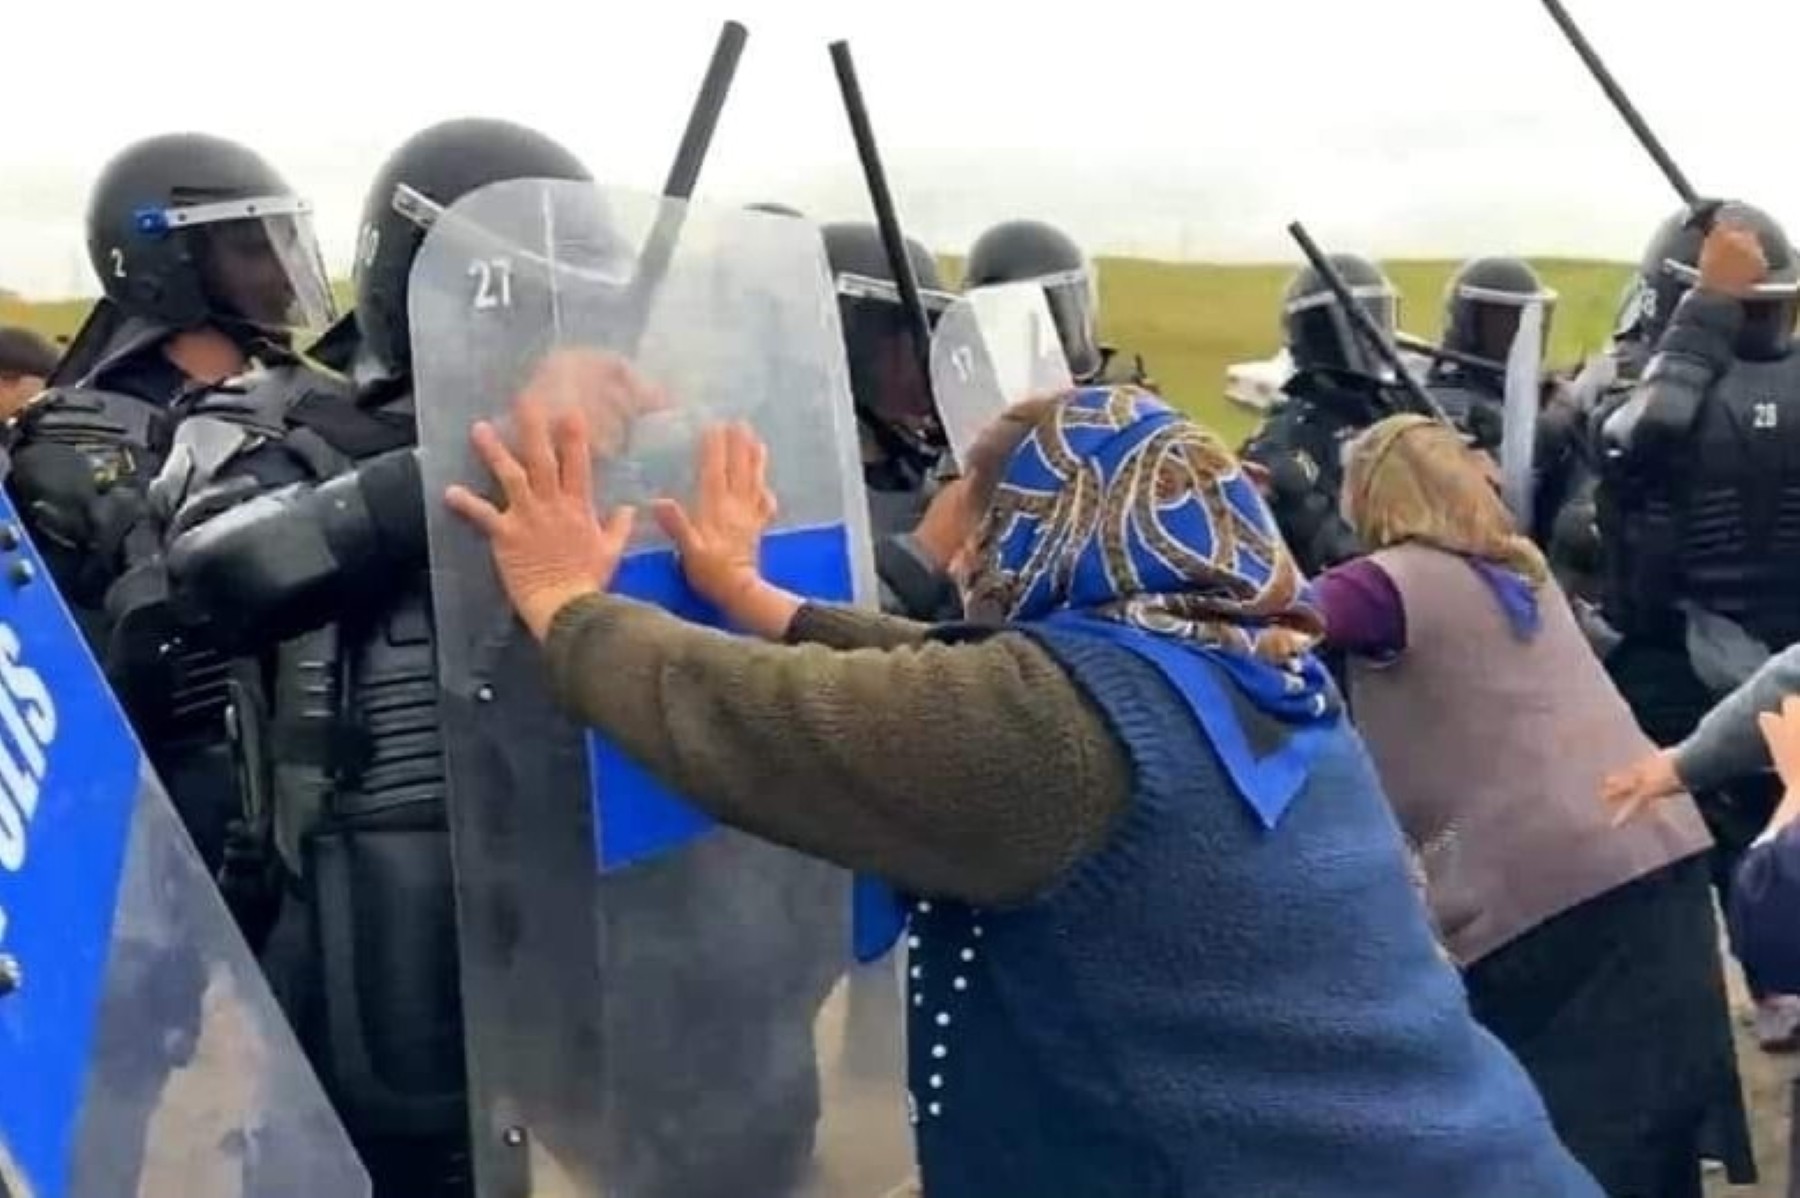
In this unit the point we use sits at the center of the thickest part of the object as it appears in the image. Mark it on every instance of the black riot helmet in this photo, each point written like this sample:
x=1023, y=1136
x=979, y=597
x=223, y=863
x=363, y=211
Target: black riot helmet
x=432, y=171
x=1030, y=251
x=887, y=376
x=1483, y=303
x=1320, y=336
x=186, y=230
x=1671, y=267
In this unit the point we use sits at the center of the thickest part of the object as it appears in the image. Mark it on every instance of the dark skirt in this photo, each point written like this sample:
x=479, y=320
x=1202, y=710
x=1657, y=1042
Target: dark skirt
x=1617, y=1009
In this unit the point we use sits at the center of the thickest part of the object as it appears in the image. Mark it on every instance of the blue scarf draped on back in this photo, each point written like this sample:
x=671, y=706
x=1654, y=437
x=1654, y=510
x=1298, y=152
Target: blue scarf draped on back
x=1517, y=598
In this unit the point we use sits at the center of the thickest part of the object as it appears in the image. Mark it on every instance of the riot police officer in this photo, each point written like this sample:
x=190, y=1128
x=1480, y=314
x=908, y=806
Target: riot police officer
x=1606, y=381
x=1700, y=482
x=1030, y=251
x=1338, y=389
x=206, y=258
x=296, y=529
x=325, y=580
x=902, y=444
x=208, y=264
x=1482, y=305
x=1665, y=273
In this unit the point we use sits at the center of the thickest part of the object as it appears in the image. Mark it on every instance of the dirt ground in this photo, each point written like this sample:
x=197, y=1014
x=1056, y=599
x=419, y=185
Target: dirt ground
x=1766, y=1081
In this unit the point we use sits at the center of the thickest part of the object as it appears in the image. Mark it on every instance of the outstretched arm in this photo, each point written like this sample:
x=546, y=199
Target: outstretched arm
x=1728, y=744
x=975, y=771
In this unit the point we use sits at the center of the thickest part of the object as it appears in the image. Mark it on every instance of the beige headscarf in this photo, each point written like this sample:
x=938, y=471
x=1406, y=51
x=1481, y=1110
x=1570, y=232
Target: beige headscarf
x=1410, y=478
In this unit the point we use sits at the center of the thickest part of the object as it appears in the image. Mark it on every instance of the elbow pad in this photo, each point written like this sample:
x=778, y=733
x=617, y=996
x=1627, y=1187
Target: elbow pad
x=1705, y=329
x=1653, y=425
x=913, y=586
x=296, y=559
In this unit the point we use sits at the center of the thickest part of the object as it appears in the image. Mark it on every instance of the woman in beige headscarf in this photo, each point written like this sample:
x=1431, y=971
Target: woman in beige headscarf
x=1590, y=950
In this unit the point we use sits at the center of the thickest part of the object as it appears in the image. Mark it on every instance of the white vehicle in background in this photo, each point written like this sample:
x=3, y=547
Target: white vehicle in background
x=1257, y=385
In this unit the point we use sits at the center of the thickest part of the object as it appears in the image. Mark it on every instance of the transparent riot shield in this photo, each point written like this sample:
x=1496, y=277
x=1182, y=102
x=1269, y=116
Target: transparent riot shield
x=656, y=1008
x=994, y=347
x=141, y=1052
x=1518, y=438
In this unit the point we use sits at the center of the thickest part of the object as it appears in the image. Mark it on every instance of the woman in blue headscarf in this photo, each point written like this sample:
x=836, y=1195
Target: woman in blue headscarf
x=1164, y=943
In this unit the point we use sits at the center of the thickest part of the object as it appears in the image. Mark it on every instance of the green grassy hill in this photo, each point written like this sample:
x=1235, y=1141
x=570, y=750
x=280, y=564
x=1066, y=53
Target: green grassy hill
x=1190, y=321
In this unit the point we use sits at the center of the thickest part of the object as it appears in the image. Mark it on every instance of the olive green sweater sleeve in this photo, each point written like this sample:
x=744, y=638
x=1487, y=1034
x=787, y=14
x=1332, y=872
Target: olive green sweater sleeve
x=973, y=771
x=839, y=627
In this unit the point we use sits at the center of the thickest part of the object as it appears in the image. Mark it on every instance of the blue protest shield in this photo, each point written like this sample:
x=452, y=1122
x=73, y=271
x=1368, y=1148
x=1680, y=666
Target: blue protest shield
x=143, y=1053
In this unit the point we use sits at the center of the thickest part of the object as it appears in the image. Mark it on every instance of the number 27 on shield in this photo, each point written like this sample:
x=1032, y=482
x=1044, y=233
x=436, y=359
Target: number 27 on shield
x=493, y=283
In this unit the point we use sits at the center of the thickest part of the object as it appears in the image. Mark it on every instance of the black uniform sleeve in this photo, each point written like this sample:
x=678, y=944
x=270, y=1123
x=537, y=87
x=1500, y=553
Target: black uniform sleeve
x=1695, y=351
x=78, y=460
x=287, y=561
x=1645, y=445
x=1704, y=332
x=911, y=584
x=1303, y=500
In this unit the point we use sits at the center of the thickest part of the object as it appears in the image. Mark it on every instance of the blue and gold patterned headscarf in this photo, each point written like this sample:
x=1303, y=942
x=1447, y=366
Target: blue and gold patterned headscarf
x=1120, y=517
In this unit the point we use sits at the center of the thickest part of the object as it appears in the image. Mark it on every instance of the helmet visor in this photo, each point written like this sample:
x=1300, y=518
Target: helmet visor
x=1073, y=296
x=1322, y=336
x=260, y=262
x=1493, y=326
x=886, y=370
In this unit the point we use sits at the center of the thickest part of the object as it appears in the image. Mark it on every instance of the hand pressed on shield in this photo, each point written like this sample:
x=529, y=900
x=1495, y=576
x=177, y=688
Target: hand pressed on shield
x=549, y=545
x=1631, y=791
x=1732, y=260
x=719, y=535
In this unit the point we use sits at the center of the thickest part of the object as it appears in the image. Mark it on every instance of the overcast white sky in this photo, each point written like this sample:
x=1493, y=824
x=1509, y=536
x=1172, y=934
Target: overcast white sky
x=1161, y=127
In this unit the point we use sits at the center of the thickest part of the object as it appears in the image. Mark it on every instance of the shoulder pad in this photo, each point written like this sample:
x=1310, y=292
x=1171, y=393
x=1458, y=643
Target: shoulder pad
x=260, y=401
x=354, y=427
x=79, y=414
x=117, y=433
x=260, y=408
x=1453, y=395
x=202, y=446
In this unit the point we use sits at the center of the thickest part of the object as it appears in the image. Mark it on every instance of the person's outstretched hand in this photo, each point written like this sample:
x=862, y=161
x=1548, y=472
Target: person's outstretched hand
x=1782, y=732
x=549, y=545
x=719, y=534
x=1631, y=791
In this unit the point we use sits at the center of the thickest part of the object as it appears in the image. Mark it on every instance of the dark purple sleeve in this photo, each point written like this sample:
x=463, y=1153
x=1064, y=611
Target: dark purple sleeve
x=1765, y=913
x=1363, y=611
